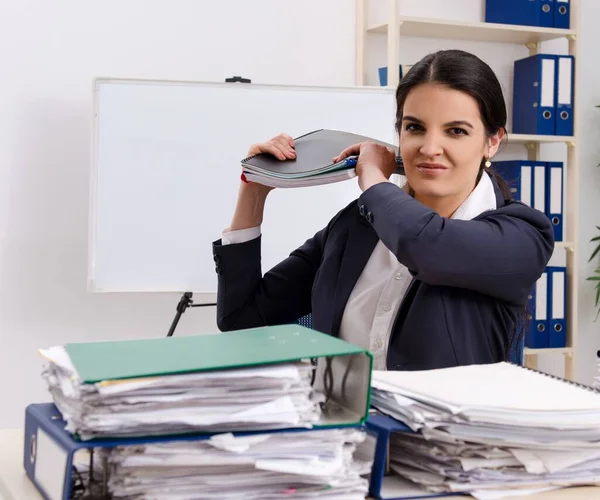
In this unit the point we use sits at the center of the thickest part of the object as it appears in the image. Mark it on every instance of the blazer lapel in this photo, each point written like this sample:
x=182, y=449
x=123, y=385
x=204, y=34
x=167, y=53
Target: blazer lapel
x=362, y=239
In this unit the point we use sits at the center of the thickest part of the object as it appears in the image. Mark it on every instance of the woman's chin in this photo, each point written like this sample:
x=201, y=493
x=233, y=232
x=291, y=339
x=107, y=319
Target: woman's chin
x=427, y=189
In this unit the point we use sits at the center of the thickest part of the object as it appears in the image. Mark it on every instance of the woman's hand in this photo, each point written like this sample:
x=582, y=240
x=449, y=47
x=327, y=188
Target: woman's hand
x=281, y=147
x=376, y=163
x=252, y=196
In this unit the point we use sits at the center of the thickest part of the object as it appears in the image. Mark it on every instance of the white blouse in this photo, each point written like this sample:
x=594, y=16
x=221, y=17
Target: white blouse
x=371, y=309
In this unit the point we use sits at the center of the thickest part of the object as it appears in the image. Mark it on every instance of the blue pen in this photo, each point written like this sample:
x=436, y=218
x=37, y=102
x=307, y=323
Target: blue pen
x=351, y=162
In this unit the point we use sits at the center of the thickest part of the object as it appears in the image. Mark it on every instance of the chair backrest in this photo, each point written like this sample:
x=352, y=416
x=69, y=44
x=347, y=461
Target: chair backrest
x=516, y=350
x=518, y=344
x=306, y=321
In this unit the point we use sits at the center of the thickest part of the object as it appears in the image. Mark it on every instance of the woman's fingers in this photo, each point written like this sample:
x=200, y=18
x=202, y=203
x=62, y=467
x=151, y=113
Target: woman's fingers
x=275, y=149
x=283, y=143
x=353, y=150
x=289, y=139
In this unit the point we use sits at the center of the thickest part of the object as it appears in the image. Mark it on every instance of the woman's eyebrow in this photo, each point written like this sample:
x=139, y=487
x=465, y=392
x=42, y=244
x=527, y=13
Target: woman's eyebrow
x=457, y=123
x=454, y=123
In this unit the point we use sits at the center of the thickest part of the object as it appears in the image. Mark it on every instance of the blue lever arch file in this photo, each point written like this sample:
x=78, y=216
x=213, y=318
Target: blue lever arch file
x=519, y=12
x=539, y=338
x=51, y=452
x=554, y=200
x=564, y=95
x=562, y=14
x=530, y=324
x=382, y=484
x=546, y=13
x=534, y=95
x=518, y=174
x=557, y=284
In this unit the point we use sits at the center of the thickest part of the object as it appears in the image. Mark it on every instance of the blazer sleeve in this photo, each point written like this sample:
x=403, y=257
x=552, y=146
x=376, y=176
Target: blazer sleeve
x=501, y=253
x=246, y=299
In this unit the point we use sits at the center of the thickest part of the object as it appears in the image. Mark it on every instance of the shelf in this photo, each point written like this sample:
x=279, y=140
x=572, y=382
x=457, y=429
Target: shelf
x=564, y=350
x=568, y=245
x=547, y=139
x=484, y=32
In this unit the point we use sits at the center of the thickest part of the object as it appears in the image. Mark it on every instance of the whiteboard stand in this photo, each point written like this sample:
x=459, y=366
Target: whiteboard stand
x=185, y=302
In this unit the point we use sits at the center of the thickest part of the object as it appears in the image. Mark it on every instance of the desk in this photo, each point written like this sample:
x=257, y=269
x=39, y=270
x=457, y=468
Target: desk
x=15, y=485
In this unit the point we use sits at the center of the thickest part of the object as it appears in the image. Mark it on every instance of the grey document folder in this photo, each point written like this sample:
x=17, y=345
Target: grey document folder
x=313, y=164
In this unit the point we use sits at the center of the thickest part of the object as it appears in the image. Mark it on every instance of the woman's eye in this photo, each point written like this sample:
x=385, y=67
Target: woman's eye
x=458, y=131
x=413, y=127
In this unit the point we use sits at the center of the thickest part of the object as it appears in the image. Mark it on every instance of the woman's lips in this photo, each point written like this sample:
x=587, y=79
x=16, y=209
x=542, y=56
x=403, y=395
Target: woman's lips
x=431, y=168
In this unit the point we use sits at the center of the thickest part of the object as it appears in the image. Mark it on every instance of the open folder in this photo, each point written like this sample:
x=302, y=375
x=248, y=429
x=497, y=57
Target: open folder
x=272, y=377
x=313, y=164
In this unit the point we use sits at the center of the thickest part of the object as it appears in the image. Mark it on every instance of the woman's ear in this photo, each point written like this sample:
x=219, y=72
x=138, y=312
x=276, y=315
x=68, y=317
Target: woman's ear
x=494, y=142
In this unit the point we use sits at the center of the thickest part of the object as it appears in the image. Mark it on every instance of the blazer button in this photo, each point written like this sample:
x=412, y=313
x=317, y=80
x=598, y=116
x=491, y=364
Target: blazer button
x=216, y=258
x=362, y=210
x=369, y=217
x=218, y=270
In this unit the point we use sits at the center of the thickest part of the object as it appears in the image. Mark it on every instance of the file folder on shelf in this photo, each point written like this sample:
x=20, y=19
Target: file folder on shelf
x=554, y=200
x=562, y=14
x=383, y=73
x=546, y=13
x=382, y=484
x=529, y=334
x=534, y=95
x=518, y=175
x=343, y=370
x=539, y=186
x=557, y=284
x=539, y=337
x=564, y=94
x=520, y=12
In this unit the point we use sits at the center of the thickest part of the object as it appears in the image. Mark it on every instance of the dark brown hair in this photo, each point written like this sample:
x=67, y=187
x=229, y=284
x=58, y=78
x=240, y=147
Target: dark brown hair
x=460, y=70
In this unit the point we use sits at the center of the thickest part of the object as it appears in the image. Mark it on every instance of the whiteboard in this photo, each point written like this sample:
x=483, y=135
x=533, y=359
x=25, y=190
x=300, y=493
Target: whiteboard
x=166, y=169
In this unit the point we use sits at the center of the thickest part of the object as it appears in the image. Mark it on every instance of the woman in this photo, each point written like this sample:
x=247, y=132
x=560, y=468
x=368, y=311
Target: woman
x=430, y=276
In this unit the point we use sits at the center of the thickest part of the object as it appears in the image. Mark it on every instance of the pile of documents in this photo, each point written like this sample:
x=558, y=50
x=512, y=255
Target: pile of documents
x=491, y=429
x=299, y=465
x=276, y=396
x=313, y=164
x=268, y=397
x=257, y=414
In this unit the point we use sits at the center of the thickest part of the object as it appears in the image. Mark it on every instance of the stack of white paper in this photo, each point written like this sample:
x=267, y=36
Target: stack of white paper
x=270, y=397
x=487, y=429
x=301, y=465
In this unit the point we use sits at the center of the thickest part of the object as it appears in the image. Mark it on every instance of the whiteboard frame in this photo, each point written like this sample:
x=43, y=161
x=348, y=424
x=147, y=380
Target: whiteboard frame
x=93, y=184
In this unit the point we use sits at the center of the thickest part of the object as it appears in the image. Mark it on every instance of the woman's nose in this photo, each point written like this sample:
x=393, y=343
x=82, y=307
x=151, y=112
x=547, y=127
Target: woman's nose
x=431, y=145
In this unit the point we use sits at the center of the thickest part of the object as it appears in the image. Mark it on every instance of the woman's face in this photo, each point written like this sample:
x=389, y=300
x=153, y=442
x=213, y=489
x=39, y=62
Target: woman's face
x=442, y=143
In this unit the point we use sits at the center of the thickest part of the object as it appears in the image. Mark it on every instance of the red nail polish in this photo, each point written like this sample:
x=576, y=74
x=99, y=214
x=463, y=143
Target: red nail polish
x=243, y=177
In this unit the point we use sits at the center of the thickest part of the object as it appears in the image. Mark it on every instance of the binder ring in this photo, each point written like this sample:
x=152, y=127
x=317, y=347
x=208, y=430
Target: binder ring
x=32, y=448
x=547, y=114
x=555, y=221
x=562, y=9
x=541, y=328
x=564, y=115
x=546, y=8
x=558, y=328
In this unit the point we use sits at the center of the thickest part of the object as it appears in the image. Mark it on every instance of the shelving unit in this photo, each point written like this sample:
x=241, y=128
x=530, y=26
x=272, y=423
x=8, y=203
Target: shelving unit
x=531, y=36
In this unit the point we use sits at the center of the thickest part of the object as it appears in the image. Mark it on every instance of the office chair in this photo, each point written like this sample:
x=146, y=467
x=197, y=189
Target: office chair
x=516, y=350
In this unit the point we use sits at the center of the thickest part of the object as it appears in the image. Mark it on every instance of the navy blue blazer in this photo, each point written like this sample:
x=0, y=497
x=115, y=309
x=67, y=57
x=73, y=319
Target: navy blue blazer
x=471, y=279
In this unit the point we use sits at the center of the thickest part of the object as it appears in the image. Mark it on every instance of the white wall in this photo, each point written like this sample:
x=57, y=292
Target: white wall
x=50, y=51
